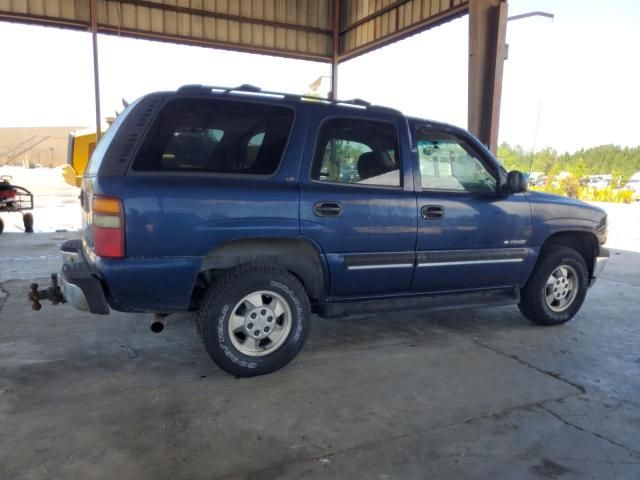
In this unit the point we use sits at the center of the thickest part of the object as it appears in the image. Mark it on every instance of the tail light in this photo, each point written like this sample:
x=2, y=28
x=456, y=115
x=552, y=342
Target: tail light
x=108, y=227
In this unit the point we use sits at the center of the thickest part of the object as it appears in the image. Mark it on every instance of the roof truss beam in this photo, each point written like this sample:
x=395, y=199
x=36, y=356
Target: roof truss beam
x=307, y=29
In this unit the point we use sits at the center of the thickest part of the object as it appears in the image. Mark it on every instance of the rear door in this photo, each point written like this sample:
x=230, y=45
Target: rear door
x=357, y=202
x=470, y=236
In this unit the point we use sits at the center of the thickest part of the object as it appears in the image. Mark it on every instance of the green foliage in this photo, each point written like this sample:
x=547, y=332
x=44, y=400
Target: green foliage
x=571, y=188
x=622, y=162
x=605, y=195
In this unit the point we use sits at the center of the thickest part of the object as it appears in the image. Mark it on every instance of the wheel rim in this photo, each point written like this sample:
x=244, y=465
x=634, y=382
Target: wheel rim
x=260, y=323
x=561, y=288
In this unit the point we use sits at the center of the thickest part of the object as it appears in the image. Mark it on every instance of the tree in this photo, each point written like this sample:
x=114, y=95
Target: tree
x=605, y=159
x=578, y=169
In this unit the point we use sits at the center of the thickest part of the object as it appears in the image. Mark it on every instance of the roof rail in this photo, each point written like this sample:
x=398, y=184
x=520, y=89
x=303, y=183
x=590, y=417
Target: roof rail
x=245, y=87
x=252, y=89
x=359, y=101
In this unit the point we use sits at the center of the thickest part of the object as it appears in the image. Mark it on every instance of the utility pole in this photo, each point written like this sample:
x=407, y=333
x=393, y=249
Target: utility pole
x=96, y=75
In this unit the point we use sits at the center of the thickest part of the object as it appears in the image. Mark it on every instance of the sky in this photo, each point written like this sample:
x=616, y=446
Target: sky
x=569, y=83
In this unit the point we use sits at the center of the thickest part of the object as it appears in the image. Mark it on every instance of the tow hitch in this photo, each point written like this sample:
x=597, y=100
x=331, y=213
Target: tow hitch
x=53, y=293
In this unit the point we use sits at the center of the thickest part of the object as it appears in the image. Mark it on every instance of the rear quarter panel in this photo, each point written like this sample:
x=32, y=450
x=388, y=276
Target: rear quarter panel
x=173, y=220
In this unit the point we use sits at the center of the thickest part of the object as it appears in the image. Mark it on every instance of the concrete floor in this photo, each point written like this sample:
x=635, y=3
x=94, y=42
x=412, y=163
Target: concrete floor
x=468, y=394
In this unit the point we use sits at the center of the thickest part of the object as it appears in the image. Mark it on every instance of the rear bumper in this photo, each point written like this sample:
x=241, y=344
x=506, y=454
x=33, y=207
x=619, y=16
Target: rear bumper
x=598, y=264
x=80, y=287
x=98, y=285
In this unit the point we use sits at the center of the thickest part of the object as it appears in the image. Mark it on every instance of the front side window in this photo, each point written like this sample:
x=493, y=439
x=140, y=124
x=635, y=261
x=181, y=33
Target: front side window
x=354, y=151
x=216, y=136
x=448, y=163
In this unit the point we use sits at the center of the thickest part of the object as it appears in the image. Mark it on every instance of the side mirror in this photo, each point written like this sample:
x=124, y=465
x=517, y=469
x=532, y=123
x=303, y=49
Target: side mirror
x=516, y=182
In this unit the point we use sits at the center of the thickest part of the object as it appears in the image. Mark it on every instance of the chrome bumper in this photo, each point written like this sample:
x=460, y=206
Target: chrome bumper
x=599, y=264
x=73, y=294
x=80, y=287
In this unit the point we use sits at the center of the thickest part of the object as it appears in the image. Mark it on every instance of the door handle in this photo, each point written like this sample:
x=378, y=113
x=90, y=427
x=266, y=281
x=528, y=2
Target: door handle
x=432, y=212
x=328, y=209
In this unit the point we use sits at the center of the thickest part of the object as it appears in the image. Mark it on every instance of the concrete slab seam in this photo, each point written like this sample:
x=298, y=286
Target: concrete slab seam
x=435, y=428
x=4, y=297
x=628, y=402
x=527, y=364
x=582, y=429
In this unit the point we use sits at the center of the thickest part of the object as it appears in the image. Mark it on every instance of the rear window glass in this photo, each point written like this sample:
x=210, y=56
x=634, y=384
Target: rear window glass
x=216, y=136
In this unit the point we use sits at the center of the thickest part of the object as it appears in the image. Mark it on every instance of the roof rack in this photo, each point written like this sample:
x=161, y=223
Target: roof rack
x=254, y=90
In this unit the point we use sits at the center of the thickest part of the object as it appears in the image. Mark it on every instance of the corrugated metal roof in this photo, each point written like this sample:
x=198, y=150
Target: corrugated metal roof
x=369, y=24
x=292, y=28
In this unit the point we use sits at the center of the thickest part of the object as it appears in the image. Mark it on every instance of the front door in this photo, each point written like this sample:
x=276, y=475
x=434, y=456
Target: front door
x=470, y=236
x=357, y=202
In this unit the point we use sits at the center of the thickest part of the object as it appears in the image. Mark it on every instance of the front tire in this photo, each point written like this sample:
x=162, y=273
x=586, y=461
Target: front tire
x=557, y=287
x=254, y=319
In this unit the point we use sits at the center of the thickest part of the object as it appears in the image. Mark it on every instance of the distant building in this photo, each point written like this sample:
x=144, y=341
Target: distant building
x=45, y=146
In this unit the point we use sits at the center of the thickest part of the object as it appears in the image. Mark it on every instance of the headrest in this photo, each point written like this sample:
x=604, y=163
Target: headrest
x=371, y=164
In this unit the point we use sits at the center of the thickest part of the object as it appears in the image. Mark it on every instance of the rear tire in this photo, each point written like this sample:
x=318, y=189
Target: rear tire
x=557, y=287
x=254, y=319
x=1, y=226
x=27, y=220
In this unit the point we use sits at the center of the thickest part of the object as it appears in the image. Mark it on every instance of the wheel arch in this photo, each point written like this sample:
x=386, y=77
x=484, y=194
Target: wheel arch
x=585, y=243
x=297, y=256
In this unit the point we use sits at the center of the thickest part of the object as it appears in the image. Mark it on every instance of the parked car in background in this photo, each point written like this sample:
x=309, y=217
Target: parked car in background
x=256, y=209
x=634, y=185
x=534, y=177
x=599, y=182
x=541, y=181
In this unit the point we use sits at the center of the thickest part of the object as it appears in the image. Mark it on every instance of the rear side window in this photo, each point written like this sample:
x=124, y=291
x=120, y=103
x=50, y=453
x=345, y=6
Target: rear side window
x=216, y=136
x=354, y=151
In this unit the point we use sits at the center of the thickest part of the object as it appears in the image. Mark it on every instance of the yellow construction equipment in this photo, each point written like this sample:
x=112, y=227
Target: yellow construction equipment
x=81, y=145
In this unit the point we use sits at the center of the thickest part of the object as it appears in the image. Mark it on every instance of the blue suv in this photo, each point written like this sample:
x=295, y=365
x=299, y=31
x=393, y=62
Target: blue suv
x=258, y=209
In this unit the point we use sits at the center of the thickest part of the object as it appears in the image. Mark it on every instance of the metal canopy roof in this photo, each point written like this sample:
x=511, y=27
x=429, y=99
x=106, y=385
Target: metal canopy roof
x=292, y=28
x=322, y=30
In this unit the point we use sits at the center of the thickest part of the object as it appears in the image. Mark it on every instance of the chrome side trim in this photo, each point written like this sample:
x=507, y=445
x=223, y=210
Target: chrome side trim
x=471, y=262
x=373, y=267
x=469, y=255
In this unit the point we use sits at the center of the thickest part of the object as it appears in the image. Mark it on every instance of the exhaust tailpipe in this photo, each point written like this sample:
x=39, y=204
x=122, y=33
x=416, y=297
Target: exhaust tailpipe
x=158, y=322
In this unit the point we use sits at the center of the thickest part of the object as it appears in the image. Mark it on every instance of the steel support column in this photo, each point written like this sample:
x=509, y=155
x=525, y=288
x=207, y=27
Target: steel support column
x=487, y=51
x=96, y=75
x=333, y=94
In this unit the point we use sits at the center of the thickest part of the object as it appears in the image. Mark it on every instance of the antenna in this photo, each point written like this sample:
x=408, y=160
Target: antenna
x=518, y=17
x=535, y=137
